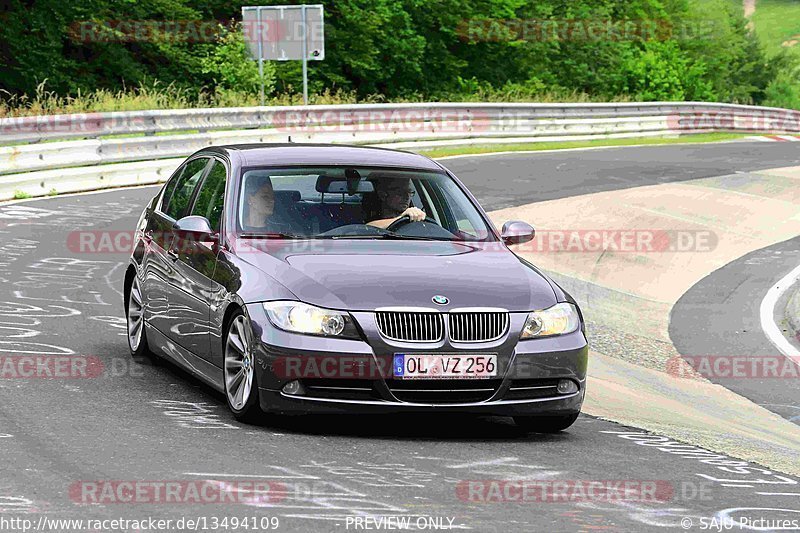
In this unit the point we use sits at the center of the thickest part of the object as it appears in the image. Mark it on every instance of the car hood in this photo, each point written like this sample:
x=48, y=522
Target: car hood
x=362, y=275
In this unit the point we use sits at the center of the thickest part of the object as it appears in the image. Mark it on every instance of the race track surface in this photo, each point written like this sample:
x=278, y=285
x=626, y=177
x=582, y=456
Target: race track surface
x=149, y=422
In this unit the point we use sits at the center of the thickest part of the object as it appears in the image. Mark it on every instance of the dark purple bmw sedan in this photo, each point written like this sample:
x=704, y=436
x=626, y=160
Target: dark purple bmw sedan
x=314, y=278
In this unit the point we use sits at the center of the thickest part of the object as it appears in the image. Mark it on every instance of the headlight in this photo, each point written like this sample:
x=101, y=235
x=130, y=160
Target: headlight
x=557, y=320
x=299, y=317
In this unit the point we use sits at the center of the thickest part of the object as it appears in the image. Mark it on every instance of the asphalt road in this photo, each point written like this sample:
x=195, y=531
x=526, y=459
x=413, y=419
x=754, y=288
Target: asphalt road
x=507, y=180
x=65, y=441
x=718, y=318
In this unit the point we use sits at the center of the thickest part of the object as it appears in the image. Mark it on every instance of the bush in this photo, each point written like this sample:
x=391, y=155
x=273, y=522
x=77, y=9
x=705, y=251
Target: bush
x=232, y=69
x=660, y=71
x=784, y=90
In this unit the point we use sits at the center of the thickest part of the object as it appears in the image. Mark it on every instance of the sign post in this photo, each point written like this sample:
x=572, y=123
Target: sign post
x=305, y=56
x=285, y=33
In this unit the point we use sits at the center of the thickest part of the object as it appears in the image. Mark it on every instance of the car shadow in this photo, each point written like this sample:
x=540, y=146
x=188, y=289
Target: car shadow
x=412, y=427
x=391, y=426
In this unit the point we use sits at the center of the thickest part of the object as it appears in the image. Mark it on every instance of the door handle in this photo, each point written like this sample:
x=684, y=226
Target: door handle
x=172, y=254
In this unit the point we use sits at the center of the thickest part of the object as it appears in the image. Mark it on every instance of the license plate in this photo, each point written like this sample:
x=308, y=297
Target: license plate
x=444, y=366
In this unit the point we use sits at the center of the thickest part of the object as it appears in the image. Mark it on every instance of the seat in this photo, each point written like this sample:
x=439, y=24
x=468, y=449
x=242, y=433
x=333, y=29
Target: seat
x=286, y=197
x=286, y=209
x=327, y=216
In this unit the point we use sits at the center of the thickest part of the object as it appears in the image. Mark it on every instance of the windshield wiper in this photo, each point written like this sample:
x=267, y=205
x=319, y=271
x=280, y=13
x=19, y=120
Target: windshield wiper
x=399, y=236
x=272, y=235
x=363, y=236
x=377, y=236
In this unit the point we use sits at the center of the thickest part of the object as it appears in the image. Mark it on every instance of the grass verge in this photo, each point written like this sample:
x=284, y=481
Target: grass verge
x=528, y=147
x=150, y=97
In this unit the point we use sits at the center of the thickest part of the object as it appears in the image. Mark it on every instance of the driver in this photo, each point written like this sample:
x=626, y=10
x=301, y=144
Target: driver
x=394, y=195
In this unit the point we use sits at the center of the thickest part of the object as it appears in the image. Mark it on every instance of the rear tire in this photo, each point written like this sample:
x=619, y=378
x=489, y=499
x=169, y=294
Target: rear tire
x=545, y=424
x=238, y=371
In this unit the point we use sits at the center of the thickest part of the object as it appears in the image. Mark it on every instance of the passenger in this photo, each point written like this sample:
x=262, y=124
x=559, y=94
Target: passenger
x=393, y=201
x=259, y=208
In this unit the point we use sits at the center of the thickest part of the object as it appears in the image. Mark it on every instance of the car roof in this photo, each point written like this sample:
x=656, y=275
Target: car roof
x=291, y=154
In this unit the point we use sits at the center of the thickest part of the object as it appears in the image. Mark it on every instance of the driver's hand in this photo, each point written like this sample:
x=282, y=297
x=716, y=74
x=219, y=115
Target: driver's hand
x=414, y=213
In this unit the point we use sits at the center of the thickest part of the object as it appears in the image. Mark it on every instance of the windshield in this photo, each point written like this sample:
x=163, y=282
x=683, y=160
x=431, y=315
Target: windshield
x=356, y=202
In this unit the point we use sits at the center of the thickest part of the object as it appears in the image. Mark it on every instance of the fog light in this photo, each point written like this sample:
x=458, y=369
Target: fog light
x=566, y=386
x=293, y=387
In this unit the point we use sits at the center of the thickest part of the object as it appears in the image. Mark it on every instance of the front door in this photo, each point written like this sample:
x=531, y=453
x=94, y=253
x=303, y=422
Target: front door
x=192, y=287
x=159, y=265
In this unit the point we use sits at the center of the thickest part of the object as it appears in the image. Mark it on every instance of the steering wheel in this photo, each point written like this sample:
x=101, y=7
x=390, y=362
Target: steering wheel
x=405, y=219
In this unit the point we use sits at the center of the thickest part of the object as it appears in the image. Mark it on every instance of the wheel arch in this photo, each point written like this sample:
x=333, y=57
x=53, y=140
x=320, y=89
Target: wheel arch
x=230, y=311
x=129, y=275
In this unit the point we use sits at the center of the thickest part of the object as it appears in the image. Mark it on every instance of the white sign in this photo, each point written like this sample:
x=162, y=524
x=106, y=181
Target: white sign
x=285, y=33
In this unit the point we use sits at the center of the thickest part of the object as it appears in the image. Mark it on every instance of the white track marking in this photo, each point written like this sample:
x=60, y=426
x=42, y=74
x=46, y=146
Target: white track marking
x=107, y=278
x=500, y=461
x=272, y=476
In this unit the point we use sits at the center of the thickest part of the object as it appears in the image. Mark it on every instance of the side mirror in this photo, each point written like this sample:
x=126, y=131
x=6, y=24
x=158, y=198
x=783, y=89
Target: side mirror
x=195, y=226
x=517, y=232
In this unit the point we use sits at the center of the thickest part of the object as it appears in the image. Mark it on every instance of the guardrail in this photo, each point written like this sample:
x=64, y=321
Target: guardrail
x=82, y=140
x=93, y=125
x=45, y=156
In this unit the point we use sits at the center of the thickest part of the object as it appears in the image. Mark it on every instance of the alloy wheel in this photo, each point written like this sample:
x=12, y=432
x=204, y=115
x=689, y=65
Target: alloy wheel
x=135, y=316
x=238, y=363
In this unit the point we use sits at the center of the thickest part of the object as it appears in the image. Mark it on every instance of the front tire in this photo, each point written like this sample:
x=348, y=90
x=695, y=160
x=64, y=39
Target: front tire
x=134, y=314
x=239, y=375
x=545, y=424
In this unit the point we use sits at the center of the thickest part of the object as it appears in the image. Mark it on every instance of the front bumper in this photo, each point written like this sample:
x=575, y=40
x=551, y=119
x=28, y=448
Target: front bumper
x=278, y=402
x=528, y=372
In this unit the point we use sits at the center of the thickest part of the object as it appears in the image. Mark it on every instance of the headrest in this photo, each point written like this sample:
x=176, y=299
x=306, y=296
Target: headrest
x=287, y=196
x=330, y=184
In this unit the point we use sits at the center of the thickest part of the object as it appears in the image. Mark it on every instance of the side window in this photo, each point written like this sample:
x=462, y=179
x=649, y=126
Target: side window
x=212, y=195
x=170, y=188
x=184, y=187
x=464, y=219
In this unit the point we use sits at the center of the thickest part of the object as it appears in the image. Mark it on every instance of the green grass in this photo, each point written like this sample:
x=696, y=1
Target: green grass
x=484, y=148
x=45, y=102
x=777, y=21
x=21, y=195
